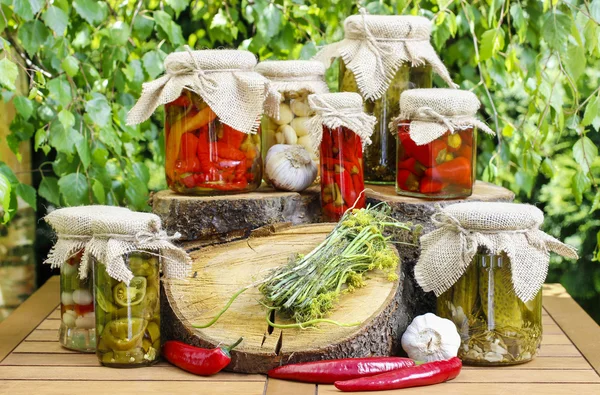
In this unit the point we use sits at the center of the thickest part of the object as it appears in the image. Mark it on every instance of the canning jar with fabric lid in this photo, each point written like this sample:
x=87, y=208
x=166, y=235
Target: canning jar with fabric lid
x=127, y=254
x=486, y=263
x=73, y=228
x=294, y=80
x=340, y=129
x=214, y=102
x=437, y=143
x=380, y=57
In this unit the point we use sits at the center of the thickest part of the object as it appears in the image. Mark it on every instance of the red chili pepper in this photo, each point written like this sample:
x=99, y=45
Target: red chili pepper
x=428, y=185
x=181, y=101
x=344, y=181
x=466, y=151
x=427, y=154
x=407, y=180
x=328, y=372
x=467, y=136
x=457, y=171
x=226, y=151
x=191, y=165
x=189, y=181
x=198, y=360
x=414, y=376
x=189, y=146
x=411, y=165
x=232, y=137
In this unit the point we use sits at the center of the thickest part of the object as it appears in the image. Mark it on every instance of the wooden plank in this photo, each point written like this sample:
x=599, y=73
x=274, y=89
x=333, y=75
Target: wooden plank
x=548, y=339
x=560, y=363
x=551, y=329
x=35, y=347
x=20, y=387
x=55, y=315
x=45, y=336
x=452, y=388
x=499, y=375
x=51, y=360
x=282, y=387
x=30, y=313
x=559, y=350
x=52, y=325
x=83, y=373
x=574, y=321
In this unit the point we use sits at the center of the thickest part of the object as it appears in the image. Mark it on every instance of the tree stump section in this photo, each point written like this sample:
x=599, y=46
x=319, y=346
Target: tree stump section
x=224, y=269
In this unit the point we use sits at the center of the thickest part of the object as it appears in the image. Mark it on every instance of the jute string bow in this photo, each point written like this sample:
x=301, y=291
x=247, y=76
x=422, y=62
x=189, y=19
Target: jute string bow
x=464, y=228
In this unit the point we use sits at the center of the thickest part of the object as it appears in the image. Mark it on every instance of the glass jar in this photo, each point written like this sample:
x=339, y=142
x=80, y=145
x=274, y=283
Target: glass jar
x=380, y=156
x=342, y=180
x=128, y=316
x=77, y=328
x=495, y=326
x=205, y=156
x=441, y=169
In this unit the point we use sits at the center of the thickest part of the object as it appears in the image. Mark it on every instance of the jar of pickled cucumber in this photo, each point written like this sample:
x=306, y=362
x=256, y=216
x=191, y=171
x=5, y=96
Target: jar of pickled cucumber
x=436, y=144
x=486, y=263
x=376, y=59
x=294, y=80
x=128, y=254
x=214, y=101
x=73, y=230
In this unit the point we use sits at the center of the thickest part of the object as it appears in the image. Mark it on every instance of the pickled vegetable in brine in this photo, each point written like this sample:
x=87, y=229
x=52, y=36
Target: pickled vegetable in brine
x=128, y=315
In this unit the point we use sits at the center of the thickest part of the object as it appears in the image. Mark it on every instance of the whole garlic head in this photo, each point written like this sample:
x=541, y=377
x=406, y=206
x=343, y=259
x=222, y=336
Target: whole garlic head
x=431, y=338
x=290, y=167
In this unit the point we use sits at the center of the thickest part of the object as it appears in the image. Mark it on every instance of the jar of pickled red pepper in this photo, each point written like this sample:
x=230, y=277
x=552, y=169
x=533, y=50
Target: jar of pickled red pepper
x=377, y=59
x=340, y=128
x=486, y=263
x=214, y=102
x=127, y=254
x=294, y=80
x=73, y=230
x=436, y=145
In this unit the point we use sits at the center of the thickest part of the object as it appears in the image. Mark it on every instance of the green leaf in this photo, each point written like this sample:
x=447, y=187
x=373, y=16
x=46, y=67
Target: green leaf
x=8, y=73
x=83, y=149
x=27, y=9
x=575, y=61
x=119, y=33
x=177, y=5
x=63, y=139
x=595, y=10
x=33, y=35
x=591, y=111
x=492, y=41
x=27, y=193
x=170, y=28
x=74, y=189
x=136, y=193
x=596, y=204
x=98, y=109
x=100, y=156
x=24, y=106
x=153, y=64
x=70, y=65
x=142, y=27
x=98, y=191
x=269, y=22
x=92, y=11
x=579, y=185
x=60, y=91
x=66, y=118
x=519, y=17
x=556, y=29
x=49, y=190
x=56, y=19
x=6, y=198
x=585, y=152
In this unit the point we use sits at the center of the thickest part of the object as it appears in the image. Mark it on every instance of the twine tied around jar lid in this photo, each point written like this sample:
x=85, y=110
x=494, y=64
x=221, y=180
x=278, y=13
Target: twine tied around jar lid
x=375, y=46
x=334, y=110
x=116, y=237
x=433, y=112
x=73, y=228
x=510, y=228
x=224, y=79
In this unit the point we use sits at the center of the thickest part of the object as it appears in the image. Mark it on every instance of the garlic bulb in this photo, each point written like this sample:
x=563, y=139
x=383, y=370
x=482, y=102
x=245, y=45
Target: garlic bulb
x=431, y=338
x=290, y=167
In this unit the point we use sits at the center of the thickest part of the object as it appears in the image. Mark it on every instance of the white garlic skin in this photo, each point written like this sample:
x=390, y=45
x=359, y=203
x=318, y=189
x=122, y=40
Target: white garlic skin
x=431, y=338
x=285, y=114
x=290, y=167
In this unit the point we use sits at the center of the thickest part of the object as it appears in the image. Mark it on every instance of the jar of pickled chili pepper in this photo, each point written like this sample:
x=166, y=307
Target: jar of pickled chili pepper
x=73, y=230
x=486, y=263
x=214, y=101
x=377, y=59
x=341, y=129
x=127, y=254
x=436, y=145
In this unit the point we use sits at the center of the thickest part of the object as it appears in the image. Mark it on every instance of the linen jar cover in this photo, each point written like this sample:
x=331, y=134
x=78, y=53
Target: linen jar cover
x=340, y=128
x=486, y=263
x=436, y=142
x=73, y=228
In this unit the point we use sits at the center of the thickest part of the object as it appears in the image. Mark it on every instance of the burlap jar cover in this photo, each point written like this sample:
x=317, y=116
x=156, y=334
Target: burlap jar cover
x=116, y=236
x=224, y=79
x=375, y=46
x=294, y=75
x=464, y=228
x=433, y=112
x=73, y=228
x=334, y=110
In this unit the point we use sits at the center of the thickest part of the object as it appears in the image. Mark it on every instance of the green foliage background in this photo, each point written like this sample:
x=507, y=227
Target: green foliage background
x=534, y=64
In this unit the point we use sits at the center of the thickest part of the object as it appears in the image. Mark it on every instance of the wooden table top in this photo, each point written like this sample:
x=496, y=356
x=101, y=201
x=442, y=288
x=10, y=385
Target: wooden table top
x=32, y=361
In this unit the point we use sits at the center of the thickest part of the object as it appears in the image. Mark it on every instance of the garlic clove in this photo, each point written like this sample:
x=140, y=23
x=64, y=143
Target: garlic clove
x=306, y=142
x=300, y=108
x=279, y=138
x=301, y=125
x=289, y=135
x=285, y=114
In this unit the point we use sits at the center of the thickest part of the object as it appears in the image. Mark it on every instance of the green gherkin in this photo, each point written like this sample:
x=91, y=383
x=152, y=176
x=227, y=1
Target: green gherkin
x=466, y=292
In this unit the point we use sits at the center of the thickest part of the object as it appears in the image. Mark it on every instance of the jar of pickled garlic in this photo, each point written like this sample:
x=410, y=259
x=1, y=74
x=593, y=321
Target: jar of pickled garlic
x=436, y=145
x=486, y=263
x=294, y=80
x=214, y=101
x=341, y=129
x=377, y=59
x=73, y=230
x=127, y=255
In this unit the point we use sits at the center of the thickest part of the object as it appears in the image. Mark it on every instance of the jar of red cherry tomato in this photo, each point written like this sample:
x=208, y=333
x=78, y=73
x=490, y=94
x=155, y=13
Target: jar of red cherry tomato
x=436, y=148
x=213, y=101
x=340, y=129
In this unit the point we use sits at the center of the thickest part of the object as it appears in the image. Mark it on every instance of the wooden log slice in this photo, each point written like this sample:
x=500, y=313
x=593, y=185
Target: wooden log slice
x=222, y=270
